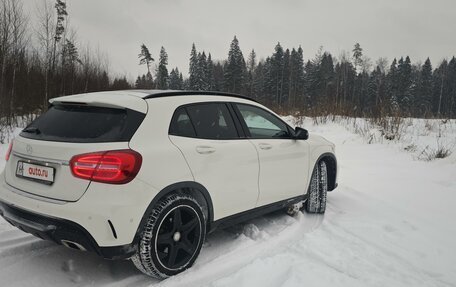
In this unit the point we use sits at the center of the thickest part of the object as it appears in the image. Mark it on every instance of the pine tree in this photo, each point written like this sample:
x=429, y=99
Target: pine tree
x=451, y=94
x=120, y=84
x=376, y=91
x=235, y=69
x=371, y=92
x=149, y=81
x=193, y=69
x=144, y=82
x=203, y=73
x=251, y=62
x=357, y=56
x=70, y=59
x=138, y=83
x=292, y=77
x=299, y=66
x=405, y=95
x=219, y=75
x=267, y=91
x=424, y=101
x=285, y=89
x=251, y=65
x=182, y=81
x=310, y=83
x=345, y=81
x=277, y=73
x=259, y=82
x=393, y=85
x=162, y=80
x=176, y=81
x=210, y=78
x=326, y=73
x=145, y=57
x=441, y=86
x=315, y=85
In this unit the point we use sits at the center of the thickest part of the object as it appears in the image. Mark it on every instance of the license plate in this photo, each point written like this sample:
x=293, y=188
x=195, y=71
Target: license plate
x=35, y=172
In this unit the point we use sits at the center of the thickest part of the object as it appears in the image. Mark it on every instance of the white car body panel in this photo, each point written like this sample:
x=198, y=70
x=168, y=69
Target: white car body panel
x=229, y=171
x=319, y=146
x=283, y=169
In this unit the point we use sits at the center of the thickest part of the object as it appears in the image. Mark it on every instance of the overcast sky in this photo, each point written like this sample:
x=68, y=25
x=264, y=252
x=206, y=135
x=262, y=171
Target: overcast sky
x=384, y=28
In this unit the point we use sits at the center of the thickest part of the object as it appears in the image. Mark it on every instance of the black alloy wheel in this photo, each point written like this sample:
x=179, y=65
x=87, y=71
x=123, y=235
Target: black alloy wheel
x=178, y=237
x=172, y=237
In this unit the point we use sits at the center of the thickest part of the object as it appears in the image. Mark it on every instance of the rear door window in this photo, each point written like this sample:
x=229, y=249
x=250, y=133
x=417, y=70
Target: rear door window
x=84, y=124
x=212, y=121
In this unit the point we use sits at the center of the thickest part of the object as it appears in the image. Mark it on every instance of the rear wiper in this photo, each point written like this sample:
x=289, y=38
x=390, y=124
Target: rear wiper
x=32, y=130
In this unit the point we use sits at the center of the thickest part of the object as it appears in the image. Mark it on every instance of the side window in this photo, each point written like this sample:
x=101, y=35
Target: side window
x=212, y=121
x=262, y=124
x=181, y=124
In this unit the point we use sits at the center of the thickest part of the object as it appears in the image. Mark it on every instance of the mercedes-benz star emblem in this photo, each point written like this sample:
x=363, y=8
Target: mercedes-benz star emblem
x=29, y=149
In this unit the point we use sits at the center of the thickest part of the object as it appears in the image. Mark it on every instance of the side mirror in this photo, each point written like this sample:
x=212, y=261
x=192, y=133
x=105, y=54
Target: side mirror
x=301, y=134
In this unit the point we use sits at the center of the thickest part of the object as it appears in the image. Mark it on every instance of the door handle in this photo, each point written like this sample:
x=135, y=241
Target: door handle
x=205, y=149
x=265, y=146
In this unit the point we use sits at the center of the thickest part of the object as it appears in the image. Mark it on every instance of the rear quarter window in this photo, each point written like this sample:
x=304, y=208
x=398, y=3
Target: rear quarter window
x=181, y=124
x=84, y=124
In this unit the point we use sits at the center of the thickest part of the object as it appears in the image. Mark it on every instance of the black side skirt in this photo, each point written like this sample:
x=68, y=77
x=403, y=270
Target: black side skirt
x=252, y=213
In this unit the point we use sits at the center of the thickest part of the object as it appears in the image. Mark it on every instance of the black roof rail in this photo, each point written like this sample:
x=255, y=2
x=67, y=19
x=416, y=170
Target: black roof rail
x=195, y=93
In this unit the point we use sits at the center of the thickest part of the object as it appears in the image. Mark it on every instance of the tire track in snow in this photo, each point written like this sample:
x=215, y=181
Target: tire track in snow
x=243, y=250
x=14, y=237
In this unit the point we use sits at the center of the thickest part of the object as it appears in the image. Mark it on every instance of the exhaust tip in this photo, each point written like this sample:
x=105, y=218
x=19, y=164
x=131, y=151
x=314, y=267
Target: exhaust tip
x=73, y=245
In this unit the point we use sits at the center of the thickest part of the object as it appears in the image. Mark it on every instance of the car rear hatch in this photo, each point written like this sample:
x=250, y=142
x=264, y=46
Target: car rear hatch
x=39, y=161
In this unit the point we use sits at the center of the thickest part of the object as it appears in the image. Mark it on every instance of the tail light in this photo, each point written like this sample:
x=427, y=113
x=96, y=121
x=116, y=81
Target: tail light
x=8, y=152
x=116, y=167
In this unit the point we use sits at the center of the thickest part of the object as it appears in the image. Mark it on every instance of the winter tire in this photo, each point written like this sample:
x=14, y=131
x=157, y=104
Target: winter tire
x=172, y=237
x=318, y=189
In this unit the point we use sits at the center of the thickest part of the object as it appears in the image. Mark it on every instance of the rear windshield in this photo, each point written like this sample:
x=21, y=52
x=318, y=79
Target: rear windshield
x=84, y=124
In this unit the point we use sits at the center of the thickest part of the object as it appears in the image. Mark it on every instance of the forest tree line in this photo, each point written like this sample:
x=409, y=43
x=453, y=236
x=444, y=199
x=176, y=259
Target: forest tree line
x=349, y=85
x=40, y=61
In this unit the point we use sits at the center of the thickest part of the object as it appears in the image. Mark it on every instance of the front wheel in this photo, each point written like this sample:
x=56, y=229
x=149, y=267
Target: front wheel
x=318, y=189
x=172, y=237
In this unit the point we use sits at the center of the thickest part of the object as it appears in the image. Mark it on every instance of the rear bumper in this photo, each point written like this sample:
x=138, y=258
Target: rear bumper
x=106, y=218
x=61, y=231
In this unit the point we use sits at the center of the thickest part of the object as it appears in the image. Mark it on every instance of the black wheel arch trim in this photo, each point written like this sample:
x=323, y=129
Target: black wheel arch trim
x=333, y=170
x=179, y=187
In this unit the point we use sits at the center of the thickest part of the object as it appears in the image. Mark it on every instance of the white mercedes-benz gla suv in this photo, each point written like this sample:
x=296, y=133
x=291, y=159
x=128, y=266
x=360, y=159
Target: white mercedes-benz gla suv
x=147, y=174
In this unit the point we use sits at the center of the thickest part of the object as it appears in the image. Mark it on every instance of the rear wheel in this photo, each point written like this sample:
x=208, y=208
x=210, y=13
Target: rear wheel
x=172, y=237
x=318, y=189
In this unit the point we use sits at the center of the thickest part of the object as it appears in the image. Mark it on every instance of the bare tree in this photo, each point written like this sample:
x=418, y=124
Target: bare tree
x=5, y=44
x=61, y=13
x=45, y=34
x=18, y=31
x=382, y=63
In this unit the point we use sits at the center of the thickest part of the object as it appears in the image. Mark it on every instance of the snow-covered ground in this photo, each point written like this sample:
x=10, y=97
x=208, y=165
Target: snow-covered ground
x=391, y=222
